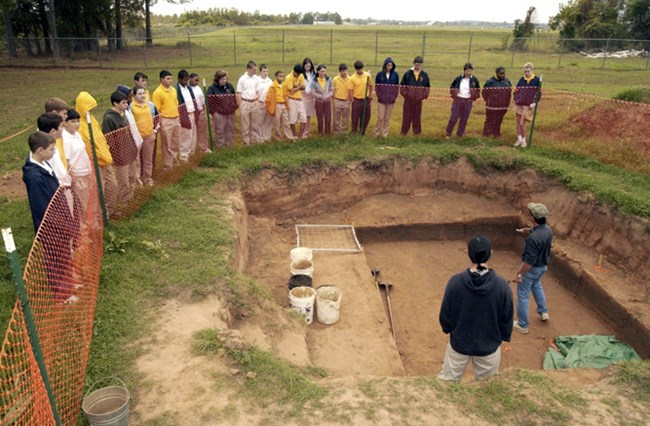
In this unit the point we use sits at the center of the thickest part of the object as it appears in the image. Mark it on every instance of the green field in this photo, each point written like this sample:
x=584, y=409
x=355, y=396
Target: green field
x=442, y=48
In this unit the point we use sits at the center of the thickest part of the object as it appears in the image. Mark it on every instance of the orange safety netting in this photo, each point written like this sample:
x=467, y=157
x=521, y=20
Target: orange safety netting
x=62, y=279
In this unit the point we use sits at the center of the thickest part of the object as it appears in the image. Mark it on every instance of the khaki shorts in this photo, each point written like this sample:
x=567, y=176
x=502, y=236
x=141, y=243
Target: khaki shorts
x=296, y=111
x=526, y=111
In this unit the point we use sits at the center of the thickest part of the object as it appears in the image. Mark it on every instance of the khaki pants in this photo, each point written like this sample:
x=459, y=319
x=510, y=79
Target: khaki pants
x=124, y=188
x=281, y=122
x=146, y=153
x=187, y=143
x=202, y=132
x=383, y=119
x=224, y=126
x=109, y=186
x=80, y=187
x=170, y=131
x=247, y=114
x=341, y=116
x=263, y=123
x=455, y=364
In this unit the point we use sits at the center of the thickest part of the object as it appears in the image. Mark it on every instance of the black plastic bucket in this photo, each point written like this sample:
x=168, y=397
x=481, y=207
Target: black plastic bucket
x=300, y=281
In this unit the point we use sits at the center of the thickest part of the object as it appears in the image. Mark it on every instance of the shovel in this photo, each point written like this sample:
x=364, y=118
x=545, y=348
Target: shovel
x=390, y=308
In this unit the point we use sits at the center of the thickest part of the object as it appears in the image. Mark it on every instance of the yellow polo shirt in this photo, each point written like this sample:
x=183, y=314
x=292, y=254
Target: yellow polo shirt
x=60, y=150
x=357, y=84
x=290, y=82
x=279, y=93
x=143, y=119
x=166, y=101
x=341, y=90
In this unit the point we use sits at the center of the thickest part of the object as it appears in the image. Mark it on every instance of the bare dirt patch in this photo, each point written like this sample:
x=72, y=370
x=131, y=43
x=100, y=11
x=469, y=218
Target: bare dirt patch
x=412, y=220
x=12, y=186
x=597, y=255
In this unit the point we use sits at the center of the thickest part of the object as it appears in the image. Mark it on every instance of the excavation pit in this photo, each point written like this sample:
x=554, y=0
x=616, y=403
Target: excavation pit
x=413, y=221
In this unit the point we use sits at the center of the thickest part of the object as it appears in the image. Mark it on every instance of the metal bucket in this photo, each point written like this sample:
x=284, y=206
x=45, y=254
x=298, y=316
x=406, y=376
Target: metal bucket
x=108, y=406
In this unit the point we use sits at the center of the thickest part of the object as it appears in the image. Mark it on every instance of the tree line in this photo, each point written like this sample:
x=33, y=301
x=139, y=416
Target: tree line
x=40, y=24
x=234, y=17
x=602, y=19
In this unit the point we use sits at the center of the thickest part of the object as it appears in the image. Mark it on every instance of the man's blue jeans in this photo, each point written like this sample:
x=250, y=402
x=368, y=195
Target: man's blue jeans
x=530, y=282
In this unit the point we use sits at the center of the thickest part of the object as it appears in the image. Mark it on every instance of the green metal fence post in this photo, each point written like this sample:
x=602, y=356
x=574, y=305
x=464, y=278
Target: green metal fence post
x=331, y=46
x=98, y=177
x=99, y=50
x=34, y=341
x=602, y=65
x=283, y=48
x=469, y=49
x=144, y=44
x=365, y=104
x=424, y=43
x=207, y=113
x=512, y=57
x=189, y=47
x=559, y=61
x=532, y=124
x=234, y=48
x=376, y=45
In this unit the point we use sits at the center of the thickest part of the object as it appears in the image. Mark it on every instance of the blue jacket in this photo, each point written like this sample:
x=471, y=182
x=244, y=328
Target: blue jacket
x=497, y=93
x=387, y=88
x=528, y=93
x=474, y=87
x=41, y=187
x=415, y=89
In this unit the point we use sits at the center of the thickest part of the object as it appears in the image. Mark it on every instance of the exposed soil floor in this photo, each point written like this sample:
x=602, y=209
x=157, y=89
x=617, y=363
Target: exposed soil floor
x=412, y=221
x=419, y=267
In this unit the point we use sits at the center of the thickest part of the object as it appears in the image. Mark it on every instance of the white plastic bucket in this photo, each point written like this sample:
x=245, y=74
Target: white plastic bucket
x=300, y=253
x=328, y=304
x=302, y=300
x=302, y=267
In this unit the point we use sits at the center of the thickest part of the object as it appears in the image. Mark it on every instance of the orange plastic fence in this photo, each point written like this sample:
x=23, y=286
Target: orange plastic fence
x=61, y=278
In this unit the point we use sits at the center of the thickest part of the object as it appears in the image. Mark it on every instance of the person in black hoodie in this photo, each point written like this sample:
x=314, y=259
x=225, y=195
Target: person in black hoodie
x=477, y=312
x=415, y=88
x=464, y=90
x=386, y=88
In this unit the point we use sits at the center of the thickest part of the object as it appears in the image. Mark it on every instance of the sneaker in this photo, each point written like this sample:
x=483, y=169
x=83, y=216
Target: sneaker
x=522, y=330
x=71, y=300
x=544, y=316
x=523, y=143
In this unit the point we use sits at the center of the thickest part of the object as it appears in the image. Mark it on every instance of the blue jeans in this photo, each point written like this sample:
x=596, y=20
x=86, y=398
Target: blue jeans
x=531, y=281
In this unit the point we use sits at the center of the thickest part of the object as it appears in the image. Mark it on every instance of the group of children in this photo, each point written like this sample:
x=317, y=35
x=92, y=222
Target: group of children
x=125, y=142
x=283, y=108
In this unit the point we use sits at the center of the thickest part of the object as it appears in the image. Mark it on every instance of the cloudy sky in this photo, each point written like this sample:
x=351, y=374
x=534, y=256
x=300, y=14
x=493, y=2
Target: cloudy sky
x=420, y=10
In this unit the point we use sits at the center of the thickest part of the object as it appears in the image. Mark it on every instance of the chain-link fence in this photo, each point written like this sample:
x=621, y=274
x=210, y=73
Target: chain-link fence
x=277, y=45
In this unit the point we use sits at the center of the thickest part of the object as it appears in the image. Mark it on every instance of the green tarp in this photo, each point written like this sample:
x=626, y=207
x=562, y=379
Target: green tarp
x=590, y=351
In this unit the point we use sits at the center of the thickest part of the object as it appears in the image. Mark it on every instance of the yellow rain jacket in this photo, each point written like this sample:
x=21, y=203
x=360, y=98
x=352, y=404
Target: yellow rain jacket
x=85, y=103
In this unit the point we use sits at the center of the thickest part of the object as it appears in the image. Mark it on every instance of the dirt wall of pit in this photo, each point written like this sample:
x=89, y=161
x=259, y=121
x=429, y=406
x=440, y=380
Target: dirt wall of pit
x=578, y=222
x=623, y=241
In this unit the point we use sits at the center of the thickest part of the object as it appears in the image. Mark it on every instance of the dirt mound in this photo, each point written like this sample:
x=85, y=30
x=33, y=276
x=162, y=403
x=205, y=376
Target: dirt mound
x=613, y=120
